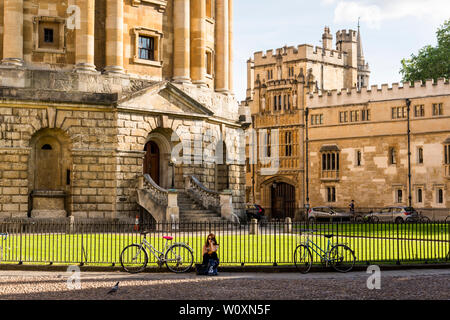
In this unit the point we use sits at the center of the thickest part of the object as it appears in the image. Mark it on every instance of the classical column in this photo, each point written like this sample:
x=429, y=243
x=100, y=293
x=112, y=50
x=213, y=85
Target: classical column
x=114, y=37
x=230, y=45
x=198, y=42
x=84, y=37
x=222, y=46
x=13, y=33
x=181, y=26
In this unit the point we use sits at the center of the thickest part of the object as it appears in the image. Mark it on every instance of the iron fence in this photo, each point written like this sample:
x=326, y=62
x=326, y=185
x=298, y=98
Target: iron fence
x=273, y=243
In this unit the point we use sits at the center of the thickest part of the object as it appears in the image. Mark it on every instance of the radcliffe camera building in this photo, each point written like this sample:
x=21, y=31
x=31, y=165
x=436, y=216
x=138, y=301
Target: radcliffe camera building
x=336, y=138
x=95, y=94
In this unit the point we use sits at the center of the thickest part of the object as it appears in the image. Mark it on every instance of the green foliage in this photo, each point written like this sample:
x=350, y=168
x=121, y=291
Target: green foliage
x=430, y=62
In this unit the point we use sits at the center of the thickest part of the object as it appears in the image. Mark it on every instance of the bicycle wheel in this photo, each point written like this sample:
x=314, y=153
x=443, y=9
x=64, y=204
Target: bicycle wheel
x=342, y=258
x=179, y=258
x=302, y=258
x=134, y=258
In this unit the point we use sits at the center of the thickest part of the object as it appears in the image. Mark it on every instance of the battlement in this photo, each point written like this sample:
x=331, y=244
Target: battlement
x=374, y=93
x=346, y=36
x=303, y=51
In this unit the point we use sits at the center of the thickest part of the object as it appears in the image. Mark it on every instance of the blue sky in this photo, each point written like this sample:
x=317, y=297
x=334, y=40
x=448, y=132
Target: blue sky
x=391, y=29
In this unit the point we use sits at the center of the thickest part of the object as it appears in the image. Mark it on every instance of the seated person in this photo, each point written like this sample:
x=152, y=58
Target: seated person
x=210, y=251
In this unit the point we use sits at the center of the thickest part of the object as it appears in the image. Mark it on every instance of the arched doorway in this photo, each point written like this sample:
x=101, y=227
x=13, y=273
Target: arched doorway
x=48, y=164
x=50, y=174
x=152, y=161
x=283, y=200
x=158, y=155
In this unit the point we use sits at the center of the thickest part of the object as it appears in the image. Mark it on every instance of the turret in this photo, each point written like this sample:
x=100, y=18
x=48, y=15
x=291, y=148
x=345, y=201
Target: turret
x=327, y=39
x=347, y=42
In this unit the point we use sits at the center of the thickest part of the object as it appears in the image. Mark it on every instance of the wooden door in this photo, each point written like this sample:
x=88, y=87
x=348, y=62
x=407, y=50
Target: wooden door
x=283, y=201
x=48, y=165
x=152, y=161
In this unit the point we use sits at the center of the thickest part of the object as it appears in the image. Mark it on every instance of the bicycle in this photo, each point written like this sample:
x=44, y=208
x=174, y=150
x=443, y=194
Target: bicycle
x=178, y=257
x=4, y=238
x=339, y=256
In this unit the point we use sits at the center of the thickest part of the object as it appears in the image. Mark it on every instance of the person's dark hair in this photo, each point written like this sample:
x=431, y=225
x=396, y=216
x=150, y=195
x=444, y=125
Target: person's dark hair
x=211, y=235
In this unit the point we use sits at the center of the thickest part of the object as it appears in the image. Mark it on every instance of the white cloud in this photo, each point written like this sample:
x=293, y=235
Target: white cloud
x=375, y=12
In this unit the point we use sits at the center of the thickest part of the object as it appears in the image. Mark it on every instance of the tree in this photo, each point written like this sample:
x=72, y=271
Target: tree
x=430, y=62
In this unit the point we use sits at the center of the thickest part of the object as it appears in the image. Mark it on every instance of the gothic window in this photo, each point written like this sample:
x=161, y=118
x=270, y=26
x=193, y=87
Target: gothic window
x=419, y=111
x=365, y=115
x=399, y=112
x=358, y=158
x=419, y=195
x=437, y=109
x=288, y=144
x=440, y=196
x=330, y=164
x=331, y=194
x=399, y=196
x=420, y=155
x=343, y=116
x=392, y=156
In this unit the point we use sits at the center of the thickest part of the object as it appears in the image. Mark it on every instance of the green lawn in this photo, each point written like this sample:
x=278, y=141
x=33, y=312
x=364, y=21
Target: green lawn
x=383, y=243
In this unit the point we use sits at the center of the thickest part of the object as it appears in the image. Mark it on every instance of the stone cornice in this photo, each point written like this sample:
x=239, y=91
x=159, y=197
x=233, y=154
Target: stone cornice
x=160, y=5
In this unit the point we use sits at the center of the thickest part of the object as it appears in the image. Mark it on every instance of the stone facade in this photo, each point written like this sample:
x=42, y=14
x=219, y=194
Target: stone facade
x=328, y=138
x=81, y=101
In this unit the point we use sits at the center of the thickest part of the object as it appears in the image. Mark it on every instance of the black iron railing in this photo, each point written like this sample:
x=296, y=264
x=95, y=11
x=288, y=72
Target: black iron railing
x=272, y=243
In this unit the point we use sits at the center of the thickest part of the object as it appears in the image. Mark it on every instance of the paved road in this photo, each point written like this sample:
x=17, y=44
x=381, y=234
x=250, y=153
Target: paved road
x=423, y=284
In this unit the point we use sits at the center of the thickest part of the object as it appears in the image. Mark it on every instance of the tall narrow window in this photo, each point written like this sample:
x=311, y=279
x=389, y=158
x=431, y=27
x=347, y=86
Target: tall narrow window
x=419, y=195
x=420, y=155
x=209, y=65
x=331, y=194
x=440, y=196
x=358, y=158
x=399, y=196
x=288, y=146
x=392, y=156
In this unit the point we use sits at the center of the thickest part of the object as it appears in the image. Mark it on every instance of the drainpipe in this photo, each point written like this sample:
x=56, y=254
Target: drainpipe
x=408, y=105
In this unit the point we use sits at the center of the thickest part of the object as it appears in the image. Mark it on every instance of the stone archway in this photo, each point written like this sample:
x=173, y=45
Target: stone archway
x=279, y=196
x=50, y=172
x=158, y=148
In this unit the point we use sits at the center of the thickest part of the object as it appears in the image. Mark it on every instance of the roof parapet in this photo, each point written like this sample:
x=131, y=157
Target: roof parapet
x=406, y=90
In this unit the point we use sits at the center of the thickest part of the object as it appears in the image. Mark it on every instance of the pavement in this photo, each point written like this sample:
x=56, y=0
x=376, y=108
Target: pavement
x=417, y=284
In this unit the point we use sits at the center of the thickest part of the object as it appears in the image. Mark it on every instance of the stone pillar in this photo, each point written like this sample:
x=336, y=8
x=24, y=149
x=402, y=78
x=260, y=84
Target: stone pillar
x=198, y=42
x=13, y=33
x=181, y=30
x=114, y=37
x=226, y=205
x=222, y=46
x=84, y=48
x=230, y=45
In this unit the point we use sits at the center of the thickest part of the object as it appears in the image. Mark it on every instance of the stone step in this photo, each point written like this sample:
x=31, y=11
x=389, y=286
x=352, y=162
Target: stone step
x=194, y=212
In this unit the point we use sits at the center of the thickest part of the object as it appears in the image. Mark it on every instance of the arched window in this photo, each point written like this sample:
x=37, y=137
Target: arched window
x=47, y=147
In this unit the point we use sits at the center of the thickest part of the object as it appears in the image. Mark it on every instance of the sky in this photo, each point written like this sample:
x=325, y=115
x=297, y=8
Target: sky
x=390, y=29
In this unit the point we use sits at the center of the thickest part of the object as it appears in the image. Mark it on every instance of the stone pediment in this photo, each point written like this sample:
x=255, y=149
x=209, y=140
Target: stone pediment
x=166, y=98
